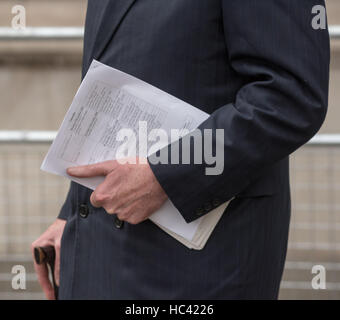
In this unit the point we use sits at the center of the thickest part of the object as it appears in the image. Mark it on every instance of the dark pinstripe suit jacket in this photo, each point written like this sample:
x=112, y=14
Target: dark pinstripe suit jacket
x=261, y=71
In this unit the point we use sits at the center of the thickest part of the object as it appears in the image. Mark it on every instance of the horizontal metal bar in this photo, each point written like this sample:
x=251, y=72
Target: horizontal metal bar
x=334, y=31
x=325, y=139
x=305, y=285
x=42, y=33
x=22, y=136
x=77, y=33
x=27, y=136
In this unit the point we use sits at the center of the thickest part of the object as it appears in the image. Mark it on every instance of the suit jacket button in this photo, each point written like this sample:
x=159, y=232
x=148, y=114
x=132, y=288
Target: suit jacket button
x=83, y=211
x=118, y=223
x=199, y=211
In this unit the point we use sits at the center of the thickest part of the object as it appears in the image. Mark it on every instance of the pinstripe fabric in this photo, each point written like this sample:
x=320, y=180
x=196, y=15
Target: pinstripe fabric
x=261, y=71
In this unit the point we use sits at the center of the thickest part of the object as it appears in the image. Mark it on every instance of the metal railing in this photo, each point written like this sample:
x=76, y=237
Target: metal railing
x=77, y=33
x=42, y=33
x=334, y=31
x=23, y=136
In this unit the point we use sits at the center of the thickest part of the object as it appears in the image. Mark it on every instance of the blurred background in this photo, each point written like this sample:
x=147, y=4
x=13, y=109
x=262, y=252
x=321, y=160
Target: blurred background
x=39, y=75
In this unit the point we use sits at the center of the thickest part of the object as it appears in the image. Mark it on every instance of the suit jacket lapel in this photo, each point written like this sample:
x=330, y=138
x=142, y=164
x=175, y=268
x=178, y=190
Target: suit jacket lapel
x=115, y=12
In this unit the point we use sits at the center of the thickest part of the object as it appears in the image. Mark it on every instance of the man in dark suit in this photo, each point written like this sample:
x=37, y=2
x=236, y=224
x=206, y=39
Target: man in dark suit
x=261, y=71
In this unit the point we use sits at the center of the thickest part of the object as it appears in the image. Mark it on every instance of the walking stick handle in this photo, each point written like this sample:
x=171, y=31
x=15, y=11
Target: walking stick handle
x=47, y=255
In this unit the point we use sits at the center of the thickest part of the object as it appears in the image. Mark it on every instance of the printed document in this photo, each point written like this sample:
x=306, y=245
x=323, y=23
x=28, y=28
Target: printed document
x=107, y=101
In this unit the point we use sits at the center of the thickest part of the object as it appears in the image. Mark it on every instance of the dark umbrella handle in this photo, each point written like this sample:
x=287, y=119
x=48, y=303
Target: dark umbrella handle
x=47, y=255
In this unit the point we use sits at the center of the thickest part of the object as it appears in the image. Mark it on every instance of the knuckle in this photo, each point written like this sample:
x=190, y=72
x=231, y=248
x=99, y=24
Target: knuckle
x=110, y=210
x=100, y=197
x=94, y=204
x=111, y=174
x=92, y=168
x=124, y=215
x=120, y=170
x=36, y=243
x=120, y=216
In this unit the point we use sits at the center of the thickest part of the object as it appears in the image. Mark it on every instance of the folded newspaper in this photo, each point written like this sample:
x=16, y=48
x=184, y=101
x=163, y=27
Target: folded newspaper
x=107, y=101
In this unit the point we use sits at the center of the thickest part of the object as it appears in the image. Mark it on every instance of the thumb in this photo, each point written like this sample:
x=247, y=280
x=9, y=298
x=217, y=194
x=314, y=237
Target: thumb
x=57, y=264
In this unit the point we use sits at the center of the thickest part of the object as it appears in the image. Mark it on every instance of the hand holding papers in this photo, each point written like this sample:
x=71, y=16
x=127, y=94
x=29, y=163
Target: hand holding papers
x=107, y=107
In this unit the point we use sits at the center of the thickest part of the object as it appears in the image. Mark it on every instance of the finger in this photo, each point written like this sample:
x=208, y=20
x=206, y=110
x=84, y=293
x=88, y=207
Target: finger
x=92, y=170
x=95, y=200
x=42, y=274
x=57, y=263
x=108, y=194
x=136, y=219
x=124, y=214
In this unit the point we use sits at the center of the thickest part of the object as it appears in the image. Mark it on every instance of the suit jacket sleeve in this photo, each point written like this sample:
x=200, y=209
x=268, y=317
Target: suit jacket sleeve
x=282, y=105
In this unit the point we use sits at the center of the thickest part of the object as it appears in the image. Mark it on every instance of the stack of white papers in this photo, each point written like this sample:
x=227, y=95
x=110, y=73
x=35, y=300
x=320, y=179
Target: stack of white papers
x=107, y=101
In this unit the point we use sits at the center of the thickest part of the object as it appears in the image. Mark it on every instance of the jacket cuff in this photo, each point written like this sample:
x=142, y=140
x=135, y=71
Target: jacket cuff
x=183, y=185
